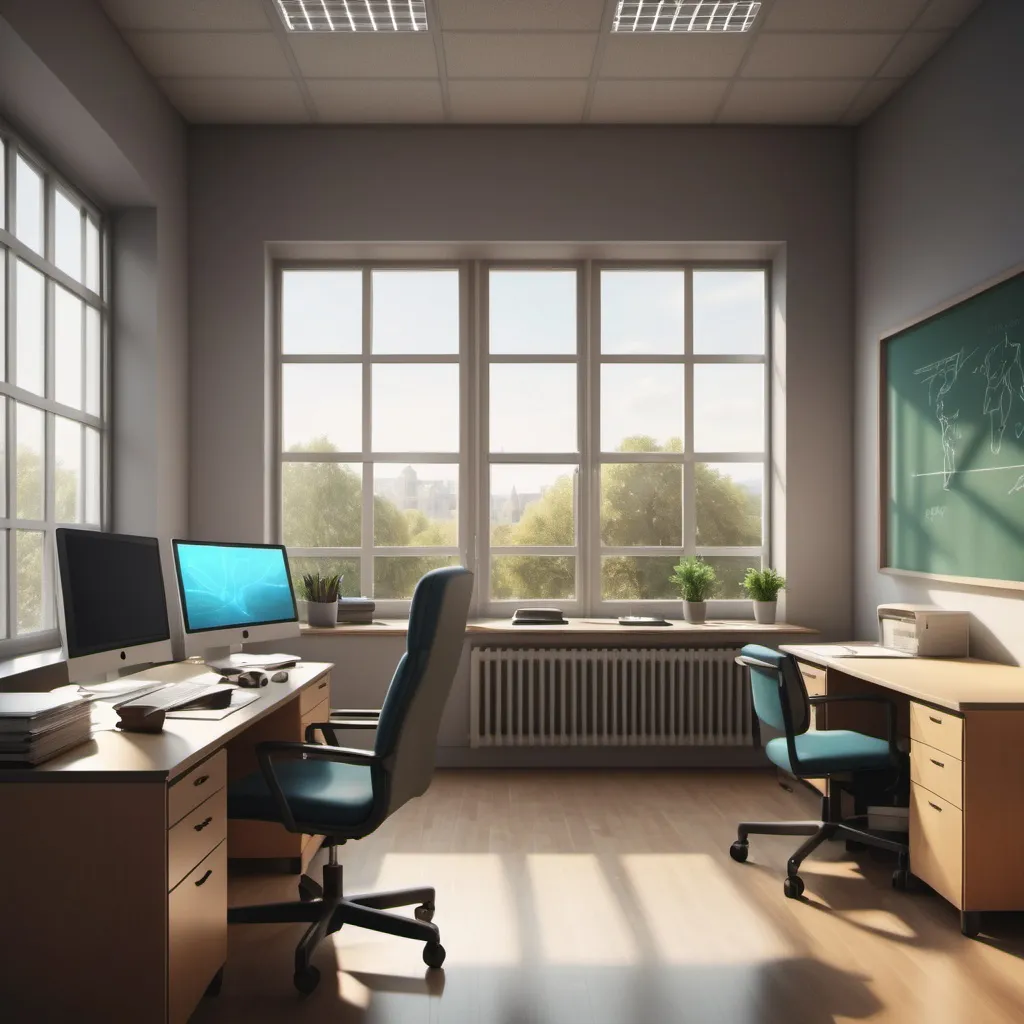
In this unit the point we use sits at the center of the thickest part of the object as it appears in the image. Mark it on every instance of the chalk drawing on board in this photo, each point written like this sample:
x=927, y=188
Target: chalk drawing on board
x=1005, y=381
x=940, y=377
x=1018, y=486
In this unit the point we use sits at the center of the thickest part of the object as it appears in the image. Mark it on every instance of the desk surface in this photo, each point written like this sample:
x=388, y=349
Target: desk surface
x=958, y=684
x=137, y=756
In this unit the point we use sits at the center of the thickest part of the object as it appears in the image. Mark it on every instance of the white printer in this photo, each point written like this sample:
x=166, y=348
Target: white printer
x=923, y=630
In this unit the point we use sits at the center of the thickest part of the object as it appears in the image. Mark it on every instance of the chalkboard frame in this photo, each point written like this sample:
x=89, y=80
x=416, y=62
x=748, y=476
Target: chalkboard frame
x=883, y=440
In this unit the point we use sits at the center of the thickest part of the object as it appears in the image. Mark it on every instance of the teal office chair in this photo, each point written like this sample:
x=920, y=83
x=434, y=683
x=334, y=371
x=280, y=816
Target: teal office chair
x=862, y=765
x=343, y=794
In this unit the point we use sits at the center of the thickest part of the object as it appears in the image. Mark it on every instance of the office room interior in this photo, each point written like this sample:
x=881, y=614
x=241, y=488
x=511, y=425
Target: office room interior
x=489, y=307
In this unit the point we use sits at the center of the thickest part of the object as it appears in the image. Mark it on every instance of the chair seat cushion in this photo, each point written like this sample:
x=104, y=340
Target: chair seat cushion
x=830, y=752
x=318, y=792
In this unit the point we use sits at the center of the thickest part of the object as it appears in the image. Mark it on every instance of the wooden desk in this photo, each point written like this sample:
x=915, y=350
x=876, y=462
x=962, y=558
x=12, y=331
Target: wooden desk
x=114, y=857
x=963, y=722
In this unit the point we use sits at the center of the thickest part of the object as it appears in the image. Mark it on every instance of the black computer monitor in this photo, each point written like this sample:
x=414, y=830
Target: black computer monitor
x=113, y=608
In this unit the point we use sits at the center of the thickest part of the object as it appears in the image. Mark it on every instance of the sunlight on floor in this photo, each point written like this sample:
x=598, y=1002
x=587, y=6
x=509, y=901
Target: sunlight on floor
x=881, y=921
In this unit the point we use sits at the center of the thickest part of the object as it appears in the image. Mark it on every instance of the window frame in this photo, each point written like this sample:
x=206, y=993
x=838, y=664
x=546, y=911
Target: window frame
x=14, y=146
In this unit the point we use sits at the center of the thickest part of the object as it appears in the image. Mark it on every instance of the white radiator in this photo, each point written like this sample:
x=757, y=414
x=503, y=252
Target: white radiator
x=548, y=697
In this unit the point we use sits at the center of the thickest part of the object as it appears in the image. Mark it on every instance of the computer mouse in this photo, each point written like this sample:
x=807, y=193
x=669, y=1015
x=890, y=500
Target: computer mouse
x=279, y=677
x=252, y=679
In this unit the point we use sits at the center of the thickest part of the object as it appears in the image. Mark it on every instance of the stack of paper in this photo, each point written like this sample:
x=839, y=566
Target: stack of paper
x=37, y=726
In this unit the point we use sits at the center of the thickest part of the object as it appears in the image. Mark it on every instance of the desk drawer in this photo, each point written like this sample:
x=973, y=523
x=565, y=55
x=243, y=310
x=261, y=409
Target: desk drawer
x=941, y=773
x=318, y=714
x=814, y=679
x=315, y=693
x=939, y=729
x=196, y=785
x=199, y=832
x=936, y=843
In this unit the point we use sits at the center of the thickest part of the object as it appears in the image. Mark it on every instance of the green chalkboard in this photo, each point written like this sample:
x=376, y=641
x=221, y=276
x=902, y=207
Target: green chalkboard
x=952, y=441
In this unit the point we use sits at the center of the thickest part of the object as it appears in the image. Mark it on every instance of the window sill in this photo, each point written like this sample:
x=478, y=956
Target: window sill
x=19, y=664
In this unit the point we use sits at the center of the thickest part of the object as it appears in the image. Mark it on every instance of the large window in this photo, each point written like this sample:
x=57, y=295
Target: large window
x=53, y=329
x=569, y=431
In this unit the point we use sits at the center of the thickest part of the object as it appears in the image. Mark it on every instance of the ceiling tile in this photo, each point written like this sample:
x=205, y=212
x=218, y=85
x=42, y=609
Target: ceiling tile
x=843, y=15
x=673, y=56
x=338, y=55
x=236, y=100
x=679, y=101
x=558, y=102
x=197, y=15
x=946, y=13
x=377, y=100
x=532, y=15
x=911, y=52
x=818, y=55
x=210, y=54
x=781, y=102
x=519, y=54
x=874, y=95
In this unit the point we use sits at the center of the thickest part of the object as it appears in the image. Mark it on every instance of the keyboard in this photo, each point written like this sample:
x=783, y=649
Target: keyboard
x=177, y=695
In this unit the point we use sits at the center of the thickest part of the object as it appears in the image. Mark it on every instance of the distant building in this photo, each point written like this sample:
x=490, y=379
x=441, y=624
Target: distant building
x=436, y=499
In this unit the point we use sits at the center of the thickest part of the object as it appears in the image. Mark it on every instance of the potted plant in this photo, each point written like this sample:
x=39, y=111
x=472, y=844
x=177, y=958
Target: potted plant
x=763, y=586
x=697, y=581
x=321, y=594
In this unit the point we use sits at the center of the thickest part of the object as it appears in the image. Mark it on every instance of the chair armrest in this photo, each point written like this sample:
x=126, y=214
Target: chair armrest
x=355, y=712
x=890, y=710
x=357, y=718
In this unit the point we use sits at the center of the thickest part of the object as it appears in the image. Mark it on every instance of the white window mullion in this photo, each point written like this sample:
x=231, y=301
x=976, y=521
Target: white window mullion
x=590, y=454
x=366, y=558
x=689, y=470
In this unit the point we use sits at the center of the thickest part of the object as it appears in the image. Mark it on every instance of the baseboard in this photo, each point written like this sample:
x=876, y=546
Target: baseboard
x=601, y=757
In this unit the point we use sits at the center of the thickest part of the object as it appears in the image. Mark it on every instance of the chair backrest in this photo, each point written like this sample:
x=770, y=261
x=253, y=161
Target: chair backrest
x=411, y=714
x=777, y=689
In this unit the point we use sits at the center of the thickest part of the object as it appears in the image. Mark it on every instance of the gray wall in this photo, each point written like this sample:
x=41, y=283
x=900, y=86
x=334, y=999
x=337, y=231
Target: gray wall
x=940, y=209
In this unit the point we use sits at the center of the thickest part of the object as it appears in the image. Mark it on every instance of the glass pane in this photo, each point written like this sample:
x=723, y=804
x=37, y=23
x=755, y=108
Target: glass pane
x=517, y=577
x=322, y=311
x=533, y=407
x=533, y=505
x=67, y=472
x=729, y=312
x=346, y=568
x=67, y=353
x=3, y=299
x=642, y=504
x=322, y=504
x=31, y=318
x=729, y=497
x=93, y=362
x=67, y=235
x=731, y=569
x=92, y=256
x=322, y=407
x=33, y=609
x=3, y=477
x=416, y=408
x=532, y=311
x=93, y=478
x=728, y=408
x=3, y=224
x=638, y=578
x=29, y=426
x=397, y=577
x=642, y=312
x=641, y=407
x=28, y=221
x=3, y=533
x=415, y=506
x=416, y=312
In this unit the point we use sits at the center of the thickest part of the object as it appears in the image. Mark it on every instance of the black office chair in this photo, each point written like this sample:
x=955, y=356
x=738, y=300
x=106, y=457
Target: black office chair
x=343, y=794
x=865, y=766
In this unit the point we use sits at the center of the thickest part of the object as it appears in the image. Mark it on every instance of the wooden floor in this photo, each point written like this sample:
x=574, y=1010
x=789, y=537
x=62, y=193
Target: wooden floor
x=610, y=898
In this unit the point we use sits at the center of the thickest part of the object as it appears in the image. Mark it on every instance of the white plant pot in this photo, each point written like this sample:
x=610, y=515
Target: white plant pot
x=764, y=612
x=695, y=612
x=322, y=613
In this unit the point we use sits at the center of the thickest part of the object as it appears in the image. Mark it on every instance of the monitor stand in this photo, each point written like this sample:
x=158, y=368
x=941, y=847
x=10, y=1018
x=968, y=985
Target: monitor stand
x=221, y=660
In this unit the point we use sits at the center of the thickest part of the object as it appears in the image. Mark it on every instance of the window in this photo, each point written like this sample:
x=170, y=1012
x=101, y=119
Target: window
x=612, y=417
x=53, y=423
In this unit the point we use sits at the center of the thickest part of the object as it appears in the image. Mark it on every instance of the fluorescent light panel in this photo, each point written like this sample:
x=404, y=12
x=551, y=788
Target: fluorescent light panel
x=698, y=16
x=353, y=15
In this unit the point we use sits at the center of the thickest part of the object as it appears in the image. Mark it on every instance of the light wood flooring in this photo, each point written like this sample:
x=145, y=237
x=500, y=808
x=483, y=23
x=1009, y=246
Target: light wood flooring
x=610, y=898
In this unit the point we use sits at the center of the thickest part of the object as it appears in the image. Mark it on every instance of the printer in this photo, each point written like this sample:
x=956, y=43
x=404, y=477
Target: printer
x=924, y=630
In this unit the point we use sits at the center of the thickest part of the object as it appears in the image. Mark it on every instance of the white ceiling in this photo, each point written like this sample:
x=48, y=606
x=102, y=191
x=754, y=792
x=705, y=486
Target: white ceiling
x=535, y=61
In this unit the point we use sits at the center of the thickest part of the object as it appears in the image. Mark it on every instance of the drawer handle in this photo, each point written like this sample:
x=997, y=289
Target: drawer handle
x=202, y=825
x=937, y=721
x=936, y=806
x=938, y=763
x=201, y=780
x=209, y=872
x=323, y=685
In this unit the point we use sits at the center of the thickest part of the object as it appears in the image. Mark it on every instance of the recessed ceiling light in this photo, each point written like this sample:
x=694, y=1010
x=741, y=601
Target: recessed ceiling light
x=353, y=15
x=695, y=16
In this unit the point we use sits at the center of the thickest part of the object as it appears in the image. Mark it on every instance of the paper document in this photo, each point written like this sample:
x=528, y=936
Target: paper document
x=853, y=651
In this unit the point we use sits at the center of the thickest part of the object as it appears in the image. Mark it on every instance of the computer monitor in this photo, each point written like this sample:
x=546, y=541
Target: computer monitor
x=233, y=594
x=112, y=606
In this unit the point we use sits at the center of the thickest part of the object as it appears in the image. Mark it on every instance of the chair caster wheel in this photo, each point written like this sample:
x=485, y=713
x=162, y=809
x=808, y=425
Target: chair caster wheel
x=901, y=879
x=425, y=912
x=793, y=887
x=738, y=851
x=308, y=890
x=433, y=954
x=307, y=980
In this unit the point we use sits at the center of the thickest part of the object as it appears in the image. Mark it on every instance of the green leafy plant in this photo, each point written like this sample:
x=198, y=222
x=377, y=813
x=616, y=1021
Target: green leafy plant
x=763, y=584
x=696, y=579
x=320, y=589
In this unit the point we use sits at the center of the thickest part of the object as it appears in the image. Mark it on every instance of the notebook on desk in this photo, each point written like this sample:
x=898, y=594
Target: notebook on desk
x=865, y=650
